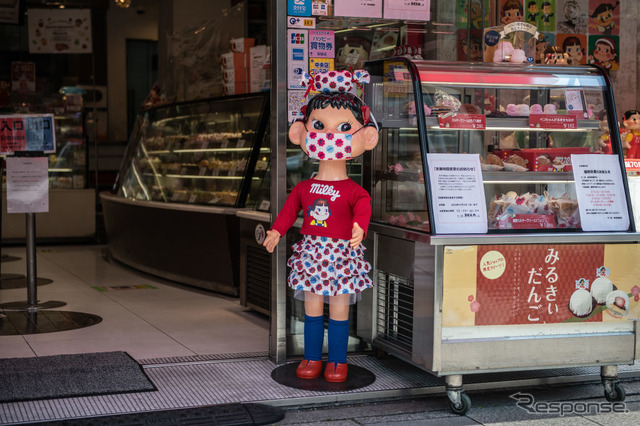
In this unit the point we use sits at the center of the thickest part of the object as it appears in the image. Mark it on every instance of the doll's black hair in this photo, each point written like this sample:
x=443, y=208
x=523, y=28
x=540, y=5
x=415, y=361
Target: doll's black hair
x=336, y=100
x=603, y=7
x=627, y=115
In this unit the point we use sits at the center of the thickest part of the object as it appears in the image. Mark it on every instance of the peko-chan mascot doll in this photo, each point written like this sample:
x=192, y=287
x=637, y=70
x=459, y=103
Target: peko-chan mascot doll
x=328, y=265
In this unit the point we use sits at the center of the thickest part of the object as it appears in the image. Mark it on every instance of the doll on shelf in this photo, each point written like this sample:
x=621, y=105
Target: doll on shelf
x=328, y=265
x=630, y=134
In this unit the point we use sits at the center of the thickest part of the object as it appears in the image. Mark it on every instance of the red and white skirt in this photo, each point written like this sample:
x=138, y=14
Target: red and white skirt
x=328, y=267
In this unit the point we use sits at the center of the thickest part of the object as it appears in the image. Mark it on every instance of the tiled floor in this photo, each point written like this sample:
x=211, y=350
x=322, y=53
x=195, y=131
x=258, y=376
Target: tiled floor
x=142, y=315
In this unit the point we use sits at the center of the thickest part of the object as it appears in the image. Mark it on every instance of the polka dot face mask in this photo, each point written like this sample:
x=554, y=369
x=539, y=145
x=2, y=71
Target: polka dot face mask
x=329, y=146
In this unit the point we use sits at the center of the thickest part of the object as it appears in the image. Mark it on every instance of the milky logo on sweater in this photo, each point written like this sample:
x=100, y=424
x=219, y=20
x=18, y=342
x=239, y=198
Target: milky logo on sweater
x=323, y=189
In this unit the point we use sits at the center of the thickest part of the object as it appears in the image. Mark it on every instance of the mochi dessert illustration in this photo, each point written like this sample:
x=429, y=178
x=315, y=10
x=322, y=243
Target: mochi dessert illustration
x=618, y=303
x=581, y=302
x=602, y=285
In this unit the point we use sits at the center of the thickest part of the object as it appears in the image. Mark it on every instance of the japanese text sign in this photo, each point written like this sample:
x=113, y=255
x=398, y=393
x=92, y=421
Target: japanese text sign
x=321, y=44
x=32, y=132
x=458, y=193
x=540, y=284
x=601, y=197
x=462, y=121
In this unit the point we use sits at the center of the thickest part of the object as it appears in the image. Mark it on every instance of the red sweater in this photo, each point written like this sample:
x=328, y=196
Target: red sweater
x=330, y=208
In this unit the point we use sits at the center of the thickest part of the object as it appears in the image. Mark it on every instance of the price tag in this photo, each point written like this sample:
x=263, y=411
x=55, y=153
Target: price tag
x=552, y=121
x=462, y=121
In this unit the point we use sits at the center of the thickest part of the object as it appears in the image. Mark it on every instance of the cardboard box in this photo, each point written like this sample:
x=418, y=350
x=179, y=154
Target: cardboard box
x=232, y=60
x=236, y=88
x=233, y=75
x=532, y=157
x=241, y=45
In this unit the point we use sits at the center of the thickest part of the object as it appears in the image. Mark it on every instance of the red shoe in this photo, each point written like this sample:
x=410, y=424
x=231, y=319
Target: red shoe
x=335, y=372
x=309, y=369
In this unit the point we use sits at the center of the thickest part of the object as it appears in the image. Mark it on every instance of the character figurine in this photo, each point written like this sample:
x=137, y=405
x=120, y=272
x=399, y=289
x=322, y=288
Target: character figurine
x=630, y=135
x=553, y=55
x=328, y=265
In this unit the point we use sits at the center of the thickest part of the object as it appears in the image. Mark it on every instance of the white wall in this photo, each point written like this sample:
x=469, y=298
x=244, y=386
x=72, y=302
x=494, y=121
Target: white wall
x=123, y=24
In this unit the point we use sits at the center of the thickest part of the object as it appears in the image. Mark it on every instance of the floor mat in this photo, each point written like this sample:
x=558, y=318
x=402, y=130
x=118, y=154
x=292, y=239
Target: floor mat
x=224, y=414
x=63, y=376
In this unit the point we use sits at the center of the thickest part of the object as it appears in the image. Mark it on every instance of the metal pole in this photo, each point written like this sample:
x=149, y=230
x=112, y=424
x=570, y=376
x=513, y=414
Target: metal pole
x=32, y=296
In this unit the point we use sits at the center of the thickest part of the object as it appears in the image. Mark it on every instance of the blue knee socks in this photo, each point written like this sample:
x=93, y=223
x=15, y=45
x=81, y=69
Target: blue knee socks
x=338, y=339
x=313, y=337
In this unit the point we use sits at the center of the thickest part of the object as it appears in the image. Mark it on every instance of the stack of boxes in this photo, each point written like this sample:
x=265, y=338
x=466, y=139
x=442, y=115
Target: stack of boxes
x=243, y=68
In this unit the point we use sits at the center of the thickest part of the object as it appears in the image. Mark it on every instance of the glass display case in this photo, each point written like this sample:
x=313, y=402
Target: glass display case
x=204, y=152
x=510, y=149
x=523, y=122
x=188, y=170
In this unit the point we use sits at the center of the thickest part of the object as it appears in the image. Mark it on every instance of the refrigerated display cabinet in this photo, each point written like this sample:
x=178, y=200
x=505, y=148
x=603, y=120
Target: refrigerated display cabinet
x=188, y=168
x=526, y=287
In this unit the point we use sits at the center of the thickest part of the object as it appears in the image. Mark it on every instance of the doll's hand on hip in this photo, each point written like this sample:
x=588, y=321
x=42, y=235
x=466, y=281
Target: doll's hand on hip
x=271, y=241
x=357, y=234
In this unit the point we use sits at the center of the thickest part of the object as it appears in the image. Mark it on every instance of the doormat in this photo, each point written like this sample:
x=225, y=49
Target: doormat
x=219, y=415
x=66, y=376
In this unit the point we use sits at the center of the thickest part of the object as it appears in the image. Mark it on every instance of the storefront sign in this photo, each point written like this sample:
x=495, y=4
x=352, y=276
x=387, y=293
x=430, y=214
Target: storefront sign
x=33, y=132
x=462, y=121
x=553, y=121
x=299, y=7
x=601, y=197
x=416, y=10
x=298, y=57
x=358, y=8
x=60, y=31
x=458, y=193
x=27, y=185
x=306, y=23
x=322, y=44
x=540, y=284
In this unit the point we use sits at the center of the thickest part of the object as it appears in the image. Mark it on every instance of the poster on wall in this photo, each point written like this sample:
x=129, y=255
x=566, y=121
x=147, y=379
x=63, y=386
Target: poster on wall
x=417, y=10
x=604, y=17
x=604, y=51
x=60, y=31
x=23, y=77
x=540, y=284
x=10, y=12
x=572, y=16
x=358, y=8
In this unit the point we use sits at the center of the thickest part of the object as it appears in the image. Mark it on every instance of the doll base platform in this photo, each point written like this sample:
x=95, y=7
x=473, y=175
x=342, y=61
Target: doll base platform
x=357, y=378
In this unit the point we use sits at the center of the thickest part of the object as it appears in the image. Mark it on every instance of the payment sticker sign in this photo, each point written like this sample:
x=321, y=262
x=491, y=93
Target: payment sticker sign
x=298, y=57
x=299, y=7
x=296, y=22
x=33, y=132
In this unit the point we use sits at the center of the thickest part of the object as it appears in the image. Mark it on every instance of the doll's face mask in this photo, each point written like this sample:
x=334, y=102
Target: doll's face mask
x=329, y=146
